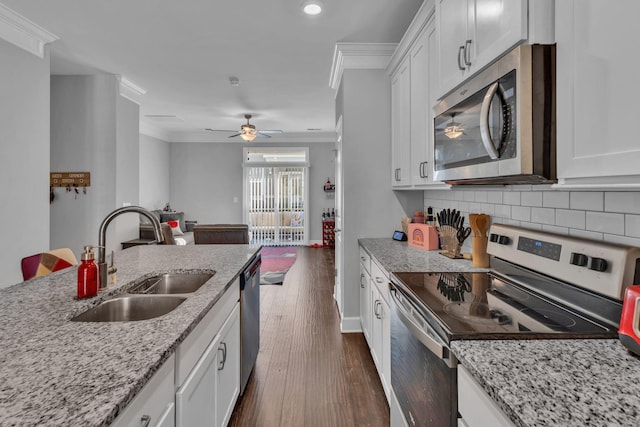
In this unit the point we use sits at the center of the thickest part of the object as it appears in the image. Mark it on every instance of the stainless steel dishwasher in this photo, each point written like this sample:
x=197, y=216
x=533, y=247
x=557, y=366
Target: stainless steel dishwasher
x=249, y=319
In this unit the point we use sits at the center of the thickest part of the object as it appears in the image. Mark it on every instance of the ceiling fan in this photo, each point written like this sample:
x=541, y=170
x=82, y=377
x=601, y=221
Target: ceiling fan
x=248, y=132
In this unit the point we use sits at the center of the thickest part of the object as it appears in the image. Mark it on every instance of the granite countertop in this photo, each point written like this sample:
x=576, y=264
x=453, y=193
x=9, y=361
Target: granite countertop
x=57, y=372
x=557, y=382
x=536, y=382
x=397, y=257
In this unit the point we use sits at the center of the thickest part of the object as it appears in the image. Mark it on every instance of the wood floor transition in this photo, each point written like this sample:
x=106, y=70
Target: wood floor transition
x=308, y=373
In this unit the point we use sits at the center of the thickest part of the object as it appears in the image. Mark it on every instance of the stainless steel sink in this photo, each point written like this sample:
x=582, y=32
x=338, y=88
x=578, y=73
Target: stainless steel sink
x=131, y=308
x=171, y=283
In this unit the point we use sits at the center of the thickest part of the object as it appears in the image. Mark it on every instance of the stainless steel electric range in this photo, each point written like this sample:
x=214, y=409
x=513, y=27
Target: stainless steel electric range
x=540, y=286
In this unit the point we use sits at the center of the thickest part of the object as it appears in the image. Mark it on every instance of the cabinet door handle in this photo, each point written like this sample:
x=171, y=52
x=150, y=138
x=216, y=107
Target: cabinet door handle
x=460, y=53
x=223, y=348
x=362, y=281
x=467, y=53
x=379, y=280
x=377, y=305
x=145, y=420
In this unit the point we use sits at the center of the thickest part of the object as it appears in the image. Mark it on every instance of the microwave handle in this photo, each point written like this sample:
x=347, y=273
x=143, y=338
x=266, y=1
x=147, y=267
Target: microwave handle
x=485, y=135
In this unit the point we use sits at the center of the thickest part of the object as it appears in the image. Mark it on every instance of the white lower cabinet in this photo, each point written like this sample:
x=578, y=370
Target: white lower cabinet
x=365, y=303
x=381, y=338
x=209, y=393
x=475, y=406
x=154, y=405
x=228, y=368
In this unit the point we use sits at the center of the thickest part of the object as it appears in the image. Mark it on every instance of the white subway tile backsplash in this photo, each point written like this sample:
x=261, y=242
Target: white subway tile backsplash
x=481, y=196
x=494, y=197
x=622, y=240
x=531, y=225
x=627, y=202
x=543, y=215
x=632, y=225
x=584, y=234
x=555, y=199
x=502, y=211
x=597, y=215
x=571, y=219
x=610, y=223
x=587, y=200
x=531, y=198
x=521, y=213
x=555, y=229
x=511, y=198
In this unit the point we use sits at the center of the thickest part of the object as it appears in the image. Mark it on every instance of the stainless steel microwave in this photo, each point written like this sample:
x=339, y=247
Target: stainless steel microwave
x=499, y=127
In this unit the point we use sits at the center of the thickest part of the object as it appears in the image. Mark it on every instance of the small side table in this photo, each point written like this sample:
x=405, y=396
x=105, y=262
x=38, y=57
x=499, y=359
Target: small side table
x=137, y=242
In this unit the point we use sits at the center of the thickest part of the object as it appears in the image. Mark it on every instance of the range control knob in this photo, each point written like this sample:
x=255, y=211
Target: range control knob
x=493, y=237
x=598, y=264
x=503, y=240
x=578, y=259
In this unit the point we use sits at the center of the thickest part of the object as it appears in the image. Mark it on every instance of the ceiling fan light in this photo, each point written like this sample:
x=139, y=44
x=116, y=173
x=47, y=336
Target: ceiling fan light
x=312, y=7
x=454, y=130
x=248, y=136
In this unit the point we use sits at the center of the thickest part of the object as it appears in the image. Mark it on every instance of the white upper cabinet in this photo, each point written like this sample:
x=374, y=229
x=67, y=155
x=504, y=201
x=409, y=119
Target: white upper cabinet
x=473, y=33
x=400, y=122
x=413, y=90
x=597, y=97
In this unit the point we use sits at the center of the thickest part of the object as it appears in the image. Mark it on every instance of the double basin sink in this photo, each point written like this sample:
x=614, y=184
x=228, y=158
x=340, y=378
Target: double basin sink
x=148, y=298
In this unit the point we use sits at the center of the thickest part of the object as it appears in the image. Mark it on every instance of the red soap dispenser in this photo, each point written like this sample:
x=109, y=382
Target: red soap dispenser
x=87, y=275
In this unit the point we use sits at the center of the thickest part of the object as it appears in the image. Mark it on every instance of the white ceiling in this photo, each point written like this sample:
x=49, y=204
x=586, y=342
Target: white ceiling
x=184, y=52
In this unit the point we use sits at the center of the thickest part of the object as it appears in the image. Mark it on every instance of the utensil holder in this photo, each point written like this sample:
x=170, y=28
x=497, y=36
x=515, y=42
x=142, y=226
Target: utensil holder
x=479, y=255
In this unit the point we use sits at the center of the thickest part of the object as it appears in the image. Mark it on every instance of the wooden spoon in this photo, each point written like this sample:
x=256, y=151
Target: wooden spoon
x=473, y=224
x=483, y=221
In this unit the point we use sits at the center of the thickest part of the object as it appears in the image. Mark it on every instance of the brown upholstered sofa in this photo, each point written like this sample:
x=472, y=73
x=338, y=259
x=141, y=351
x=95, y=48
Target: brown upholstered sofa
x=221, y=234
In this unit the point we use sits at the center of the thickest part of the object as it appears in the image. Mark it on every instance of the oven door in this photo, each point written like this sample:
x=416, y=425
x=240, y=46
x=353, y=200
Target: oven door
x=423, y=374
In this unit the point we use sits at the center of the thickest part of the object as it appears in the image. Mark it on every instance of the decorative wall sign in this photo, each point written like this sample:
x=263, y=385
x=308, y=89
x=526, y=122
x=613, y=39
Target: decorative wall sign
x=70, y=179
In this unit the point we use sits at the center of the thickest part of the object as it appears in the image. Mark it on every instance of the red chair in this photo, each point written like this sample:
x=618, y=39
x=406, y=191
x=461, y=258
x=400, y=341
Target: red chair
x=47, y=262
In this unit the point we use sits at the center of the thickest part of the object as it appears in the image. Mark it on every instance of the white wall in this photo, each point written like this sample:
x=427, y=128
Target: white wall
x=154, y=172
x=94, y=130
x=24, y=158
x=612, y=216
x=205, y=179
x=371, y=208
x=127, y=166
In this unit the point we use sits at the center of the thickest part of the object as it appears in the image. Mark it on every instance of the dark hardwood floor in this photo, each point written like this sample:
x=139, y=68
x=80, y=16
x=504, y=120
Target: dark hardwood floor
x=307, y=372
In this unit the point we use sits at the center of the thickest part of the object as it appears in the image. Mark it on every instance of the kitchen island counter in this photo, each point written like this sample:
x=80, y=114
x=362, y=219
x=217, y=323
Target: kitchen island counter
x=57, y=372
x=557, y=382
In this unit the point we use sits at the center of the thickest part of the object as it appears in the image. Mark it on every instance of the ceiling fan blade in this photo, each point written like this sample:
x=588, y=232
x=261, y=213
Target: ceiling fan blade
x=271, y=131
x=262, y=135
x=233, y=136
x=220, y=130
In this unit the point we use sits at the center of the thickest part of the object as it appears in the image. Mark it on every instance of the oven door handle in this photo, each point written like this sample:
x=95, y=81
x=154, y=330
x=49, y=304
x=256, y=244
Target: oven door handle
x=440, y=350
x=485, y=134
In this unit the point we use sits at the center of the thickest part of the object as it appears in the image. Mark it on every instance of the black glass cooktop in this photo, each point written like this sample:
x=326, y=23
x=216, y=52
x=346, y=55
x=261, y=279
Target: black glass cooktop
x=482, y=306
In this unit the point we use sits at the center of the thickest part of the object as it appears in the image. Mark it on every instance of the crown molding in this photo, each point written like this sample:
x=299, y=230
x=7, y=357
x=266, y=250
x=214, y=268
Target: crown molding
x=359, y=56
x=417, y=26
x=27, y=35
x=285, y=138
x=154, y=131
x=130, y=90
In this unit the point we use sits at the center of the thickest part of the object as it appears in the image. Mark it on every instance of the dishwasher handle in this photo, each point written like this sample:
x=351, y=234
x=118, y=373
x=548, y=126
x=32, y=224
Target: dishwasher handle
x=407, y=317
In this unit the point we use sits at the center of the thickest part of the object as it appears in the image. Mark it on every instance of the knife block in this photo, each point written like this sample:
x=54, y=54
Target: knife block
x=479, y=255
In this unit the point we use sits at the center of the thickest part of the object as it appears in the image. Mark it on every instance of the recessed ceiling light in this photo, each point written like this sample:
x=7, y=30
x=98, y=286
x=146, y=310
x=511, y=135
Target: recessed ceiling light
x=312, y=7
